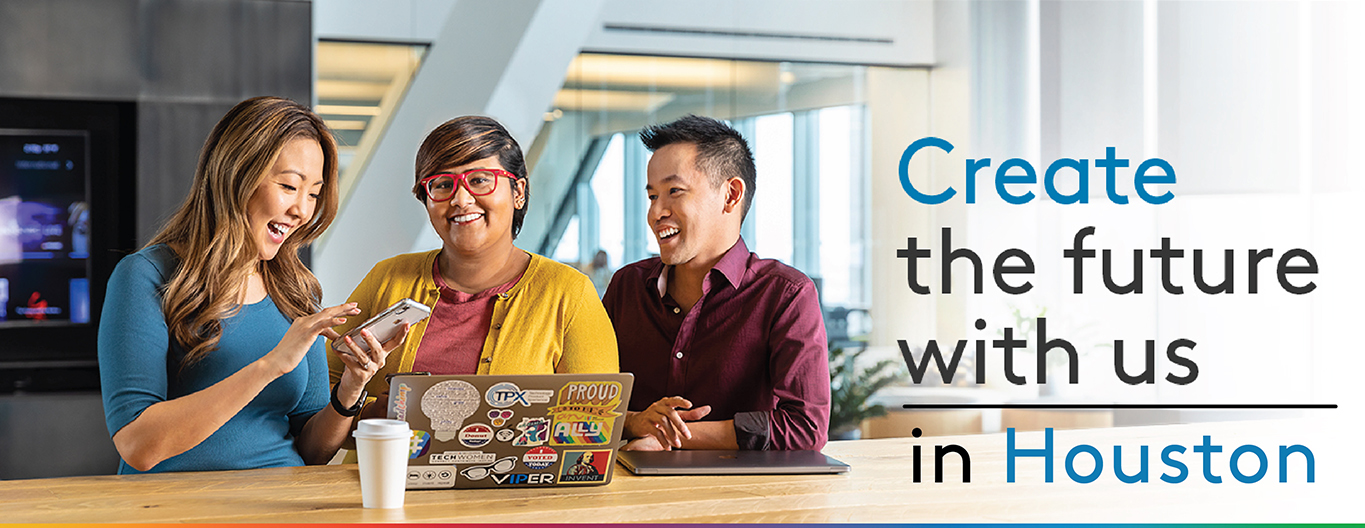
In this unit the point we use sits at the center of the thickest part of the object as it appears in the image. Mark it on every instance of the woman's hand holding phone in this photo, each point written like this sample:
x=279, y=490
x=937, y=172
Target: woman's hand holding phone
x=360, y=368
x=303, y=333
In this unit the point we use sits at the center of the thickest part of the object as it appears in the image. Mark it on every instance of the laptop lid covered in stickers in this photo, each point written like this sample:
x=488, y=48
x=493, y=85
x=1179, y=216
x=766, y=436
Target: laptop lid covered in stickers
x=496, y=431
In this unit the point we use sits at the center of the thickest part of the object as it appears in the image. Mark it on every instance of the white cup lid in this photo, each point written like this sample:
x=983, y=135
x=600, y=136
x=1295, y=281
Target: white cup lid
x=382, y=429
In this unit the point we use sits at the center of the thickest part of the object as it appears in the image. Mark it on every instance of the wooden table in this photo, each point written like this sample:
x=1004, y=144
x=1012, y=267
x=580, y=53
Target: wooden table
x=878, y=489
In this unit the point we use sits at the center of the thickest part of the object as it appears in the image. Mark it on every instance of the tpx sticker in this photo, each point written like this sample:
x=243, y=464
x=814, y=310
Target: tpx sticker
x=581, y=467
x=507, y=394
x=540, y=457
x=476, y=435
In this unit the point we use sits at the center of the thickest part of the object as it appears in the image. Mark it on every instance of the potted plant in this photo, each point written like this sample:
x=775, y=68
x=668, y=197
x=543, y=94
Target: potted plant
x=850, y=388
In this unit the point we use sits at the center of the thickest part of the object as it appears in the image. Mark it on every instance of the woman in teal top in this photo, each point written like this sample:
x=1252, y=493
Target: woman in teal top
x=208, y=341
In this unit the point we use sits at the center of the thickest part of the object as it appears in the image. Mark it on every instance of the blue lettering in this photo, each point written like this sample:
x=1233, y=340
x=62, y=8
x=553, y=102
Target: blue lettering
x=1284, y=461
x=972, y=167
x=1237, y=471
x=1045, y=453
x=1154, y=171
x=930, y=199
x=1071, y=468
x=1141, y=180
x=1002, y=179
x=1141, y=475
x=1082, y=169
x=1208, y=449
x=1109, y=163
x=1174, y=464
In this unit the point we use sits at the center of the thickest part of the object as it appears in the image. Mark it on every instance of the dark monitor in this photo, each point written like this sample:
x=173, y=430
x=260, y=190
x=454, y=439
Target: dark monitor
x=67, y=215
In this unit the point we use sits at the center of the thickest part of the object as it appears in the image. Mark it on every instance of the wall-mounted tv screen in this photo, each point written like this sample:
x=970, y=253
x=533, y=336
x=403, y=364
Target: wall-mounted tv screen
x=68, y=213
x=44, y=227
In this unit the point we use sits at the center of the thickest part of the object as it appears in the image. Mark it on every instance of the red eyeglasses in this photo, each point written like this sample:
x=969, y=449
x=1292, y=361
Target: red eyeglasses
x=479, y=182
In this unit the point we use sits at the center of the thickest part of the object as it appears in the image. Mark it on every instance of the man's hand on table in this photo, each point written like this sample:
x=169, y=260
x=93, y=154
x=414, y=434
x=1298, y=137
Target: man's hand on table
x=664, y=423
x=645, y=443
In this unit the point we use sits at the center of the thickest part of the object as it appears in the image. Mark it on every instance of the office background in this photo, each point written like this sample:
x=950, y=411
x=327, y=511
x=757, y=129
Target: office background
x=1256, y=104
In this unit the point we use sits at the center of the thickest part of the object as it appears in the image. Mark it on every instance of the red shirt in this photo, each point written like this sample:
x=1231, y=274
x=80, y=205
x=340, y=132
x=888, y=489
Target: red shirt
x=753, y=348
x=458, y=327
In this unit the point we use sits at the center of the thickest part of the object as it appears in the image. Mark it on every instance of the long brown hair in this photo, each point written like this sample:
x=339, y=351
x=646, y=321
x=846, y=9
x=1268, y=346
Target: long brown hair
x=212, y=236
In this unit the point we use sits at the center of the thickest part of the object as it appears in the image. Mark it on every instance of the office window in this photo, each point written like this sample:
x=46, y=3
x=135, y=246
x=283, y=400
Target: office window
x=567, y=249
x=841, y=246
x=804, y=123
x=359, y=85
x=608, y=189
x=772, y=214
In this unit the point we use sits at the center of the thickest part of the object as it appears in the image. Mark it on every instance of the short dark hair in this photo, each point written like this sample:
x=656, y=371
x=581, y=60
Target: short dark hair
x=466, y=139
x=722, y=153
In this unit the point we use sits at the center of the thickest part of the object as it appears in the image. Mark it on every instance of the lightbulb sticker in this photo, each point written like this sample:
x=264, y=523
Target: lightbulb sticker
x=447, y=404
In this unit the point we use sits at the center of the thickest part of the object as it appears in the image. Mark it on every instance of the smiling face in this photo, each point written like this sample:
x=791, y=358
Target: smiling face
x=286, y=197
x=689, y=216
x=471, y=225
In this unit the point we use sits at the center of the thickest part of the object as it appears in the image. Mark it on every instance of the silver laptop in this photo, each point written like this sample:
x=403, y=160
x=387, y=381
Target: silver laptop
x=703, y=462
x=511, y=431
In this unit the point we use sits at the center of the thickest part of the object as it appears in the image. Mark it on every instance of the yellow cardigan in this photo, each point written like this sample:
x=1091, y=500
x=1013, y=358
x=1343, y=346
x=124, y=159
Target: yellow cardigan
x=550, y=321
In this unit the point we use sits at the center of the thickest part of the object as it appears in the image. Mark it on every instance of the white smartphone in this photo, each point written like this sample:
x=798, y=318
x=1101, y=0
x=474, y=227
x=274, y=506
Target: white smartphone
x=385, y=325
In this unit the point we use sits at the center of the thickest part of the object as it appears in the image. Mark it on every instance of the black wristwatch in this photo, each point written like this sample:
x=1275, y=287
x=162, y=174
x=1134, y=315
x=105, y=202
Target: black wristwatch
x=354, y=409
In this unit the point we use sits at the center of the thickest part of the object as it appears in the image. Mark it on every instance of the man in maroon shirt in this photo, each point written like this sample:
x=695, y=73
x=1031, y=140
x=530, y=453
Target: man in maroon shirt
x=709, y=323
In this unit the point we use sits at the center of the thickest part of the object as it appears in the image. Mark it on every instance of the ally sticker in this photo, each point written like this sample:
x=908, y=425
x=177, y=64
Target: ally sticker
x=585, y=413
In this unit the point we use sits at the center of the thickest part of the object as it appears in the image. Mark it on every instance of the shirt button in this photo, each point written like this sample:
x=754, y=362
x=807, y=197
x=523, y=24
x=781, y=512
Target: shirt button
x=676, y=309
x=503, y=296
x=488, y=359
x=679, y=356
x=497, y=326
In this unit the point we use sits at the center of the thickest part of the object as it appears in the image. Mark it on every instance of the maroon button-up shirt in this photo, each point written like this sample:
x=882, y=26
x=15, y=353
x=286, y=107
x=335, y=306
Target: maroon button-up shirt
x=753, y=348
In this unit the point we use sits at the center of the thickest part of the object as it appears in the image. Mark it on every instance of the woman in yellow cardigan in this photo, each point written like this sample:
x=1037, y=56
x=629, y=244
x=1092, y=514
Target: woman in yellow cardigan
x=496, y=309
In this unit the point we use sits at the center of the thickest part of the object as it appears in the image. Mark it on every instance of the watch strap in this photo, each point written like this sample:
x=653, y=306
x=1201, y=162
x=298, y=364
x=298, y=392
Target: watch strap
x=347, y=411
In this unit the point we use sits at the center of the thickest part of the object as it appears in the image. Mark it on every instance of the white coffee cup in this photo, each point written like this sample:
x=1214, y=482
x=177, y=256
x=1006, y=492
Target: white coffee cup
x=382, y=446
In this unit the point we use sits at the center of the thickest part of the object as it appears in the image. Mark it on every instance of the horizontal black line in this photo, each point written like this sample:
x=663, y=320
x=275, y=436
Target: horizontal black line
x=1113, y=406
x=746, y=34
